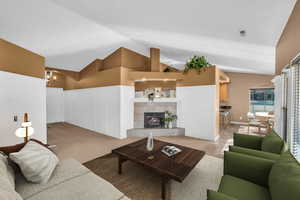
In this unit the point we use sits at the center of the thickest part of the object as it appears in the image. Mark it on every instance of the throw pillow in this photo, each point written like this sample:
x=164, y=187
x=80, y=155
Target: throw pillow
x=35, y=161
x=272, y=143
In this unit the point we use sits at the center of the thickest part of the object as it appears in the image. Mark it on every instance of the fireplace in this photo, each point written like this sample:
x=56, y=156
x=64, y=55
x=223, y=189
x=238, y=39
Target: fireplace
x=154, y=120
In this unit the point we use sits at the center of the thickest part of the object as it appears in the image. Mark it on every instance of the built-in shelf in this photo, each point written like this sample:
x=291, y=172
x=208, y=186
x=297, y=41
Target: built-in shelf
x=156, y=100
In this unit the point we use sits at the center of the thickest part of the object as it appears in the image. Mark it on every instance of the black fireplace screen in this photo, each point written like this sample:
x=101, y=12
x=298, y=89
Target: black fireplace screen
x=154, y=120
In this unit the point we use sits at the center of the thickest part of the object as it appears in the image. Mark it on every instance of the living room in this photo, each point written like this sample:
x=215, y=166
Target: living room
x=143, y=104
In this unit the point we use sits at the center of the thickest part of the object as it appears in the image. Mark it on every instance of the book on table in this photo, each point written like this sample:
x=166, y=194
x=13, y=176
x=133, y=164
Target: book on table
x=170, y=150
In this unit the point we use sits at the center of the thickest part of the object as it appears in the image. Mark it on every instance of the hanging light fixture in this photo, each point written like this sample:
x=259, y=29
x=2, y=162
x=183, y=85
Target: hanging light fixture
x=48, y=75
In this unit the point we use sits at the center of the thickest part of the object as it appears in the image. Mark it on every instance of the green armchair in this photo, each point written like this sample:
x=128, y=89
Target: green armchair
x=253, y=178
x=268, y=147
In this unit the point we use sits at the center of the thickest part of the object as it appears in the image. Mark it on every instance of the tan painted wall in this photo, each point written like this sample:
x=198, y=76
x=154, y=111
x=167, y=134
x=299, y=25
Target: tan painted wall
x=238, y=92
x=18, y=60
x=98, y=73
x=92, y=68
x=134, y=60
x=289, y=44
x=113, y=60
x=107, y=77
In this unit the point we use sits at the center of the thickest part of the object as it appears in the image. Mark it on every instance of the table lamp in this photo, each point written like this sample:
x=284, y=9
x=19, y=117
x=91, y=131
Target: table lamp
x=25, y=130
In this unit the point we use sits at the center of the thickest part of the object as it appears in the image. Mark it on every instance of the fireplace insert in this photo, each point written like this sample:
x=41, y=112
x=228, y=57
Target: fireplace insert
x=154, y=120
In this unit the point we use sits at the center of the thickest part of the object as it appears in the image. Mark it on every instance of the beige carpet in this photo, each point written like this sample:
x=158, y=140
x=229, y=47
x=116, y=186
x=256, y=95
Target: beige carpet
x=139, y=183
x=83, y=145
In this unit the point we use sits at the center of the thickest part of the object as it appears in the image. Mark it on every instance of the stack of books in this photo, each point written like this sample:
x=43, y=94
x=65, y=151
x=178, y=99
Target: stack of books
x=170, y=150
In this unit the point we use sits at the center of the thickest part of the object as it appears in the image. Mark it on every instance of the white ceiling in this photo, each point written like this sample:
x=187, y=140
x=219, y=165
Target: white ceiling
x=72, y=33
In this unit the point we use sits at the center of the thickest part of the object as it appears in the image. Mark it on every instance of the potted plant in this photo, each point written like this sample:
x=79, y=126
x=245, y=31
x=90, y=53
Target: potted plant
x=197, y=63
x=169, y=118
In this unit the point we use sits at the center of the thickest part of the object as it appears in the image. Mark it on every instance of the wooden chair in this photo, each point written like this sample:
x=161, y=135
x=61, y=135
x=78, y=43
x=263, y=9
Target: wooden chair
x=254, y=122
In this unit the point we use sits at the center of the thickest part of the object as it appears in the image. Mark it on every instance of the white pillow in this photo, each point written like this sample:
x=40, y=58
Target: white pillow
x=35, y=161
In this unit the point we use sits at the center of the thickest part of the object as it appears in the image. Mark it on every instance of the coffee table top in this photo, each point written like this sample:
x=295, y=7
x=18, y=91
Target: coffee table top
x=176, y=167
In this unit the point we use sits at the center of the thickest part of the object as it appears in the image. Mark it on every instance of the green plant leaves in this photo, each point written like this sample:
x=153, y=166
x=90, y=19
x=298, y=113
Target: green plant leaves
x=198, y=63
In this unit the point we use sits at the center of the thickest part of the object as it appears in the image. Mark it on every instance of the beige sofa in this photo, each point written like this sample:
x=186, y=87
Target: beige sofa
x=70, y=180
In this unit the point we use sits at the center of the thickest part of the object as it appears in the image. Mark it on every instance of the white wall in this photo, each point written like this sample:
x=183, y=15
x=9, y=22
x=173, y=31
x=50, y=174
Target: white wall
x=55, y=105
x=197, y=111
x=20, y=94
x=107, y=110
x=127, y=109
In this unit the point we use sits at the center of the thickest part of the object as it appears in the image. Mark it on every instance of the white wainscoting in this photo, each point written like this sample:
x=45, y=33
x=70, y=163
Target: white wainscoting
x=197, y=111
x=55, y=105
x=107, y=110
x=20, y=94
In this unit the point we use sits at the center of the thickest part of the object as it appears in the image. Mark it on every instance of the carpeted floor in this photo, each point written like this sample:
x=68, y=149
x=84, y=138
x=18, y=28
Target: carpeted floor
x=84, y=145
x=94, y=150
x=139, y=183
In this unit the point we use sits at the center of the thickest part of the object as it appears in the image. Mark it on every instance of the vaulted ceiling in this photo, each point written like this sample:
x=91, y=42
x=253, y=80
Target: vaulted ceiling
x=73, y=33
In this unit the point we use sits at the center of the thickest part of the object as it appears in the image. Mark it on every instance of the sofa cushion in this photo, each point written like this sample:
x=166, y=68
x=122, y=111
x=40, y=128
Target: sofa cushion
x=36, y=162
x=272, y=143
x=65, y=170
x=242, y=189
x=213, y=195
x=5, y=166
x=284, y=179
x=253, y=152
x=85, y=187
x=7, y=188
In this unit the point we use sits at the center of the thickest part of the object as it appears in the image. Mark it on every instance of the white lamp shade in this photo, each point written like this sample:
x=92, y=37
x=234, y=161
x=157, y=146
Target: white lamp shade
x=26, y=124
x=21, y=132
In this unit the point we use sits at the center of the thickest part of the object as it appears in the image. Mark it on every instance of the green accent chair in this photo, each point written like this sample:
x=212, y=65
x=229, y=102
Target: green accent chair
x=269, y=147
x=253, y=178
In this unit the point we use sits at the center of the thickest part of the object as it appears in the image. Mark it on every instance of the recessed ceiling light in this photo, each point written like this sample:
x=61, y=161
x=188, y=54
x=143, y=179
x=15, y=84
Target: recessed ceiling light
x=242, y=33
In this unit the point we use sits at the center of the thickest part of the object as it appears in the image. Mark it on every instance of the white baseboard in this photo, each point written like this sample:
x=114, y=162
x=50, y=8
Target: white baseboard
x=239, y=123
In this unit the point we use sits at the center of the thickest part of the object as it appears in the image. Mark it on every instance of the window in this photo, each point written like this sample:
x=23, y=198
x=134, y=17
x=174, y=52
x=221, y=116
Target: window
x=261, y=100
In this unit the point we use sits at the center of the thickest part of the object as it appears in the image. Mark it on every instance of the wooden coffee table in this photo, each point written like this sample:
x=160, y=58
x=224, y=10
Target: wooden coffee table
x=176, y=167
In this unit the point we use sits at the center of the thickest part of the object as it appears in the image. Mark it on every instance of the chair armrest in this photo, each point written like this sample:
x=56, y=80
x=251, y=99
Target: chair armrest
x=253, y=152
x=253, y=169
x=247, y=141
x=213, y=195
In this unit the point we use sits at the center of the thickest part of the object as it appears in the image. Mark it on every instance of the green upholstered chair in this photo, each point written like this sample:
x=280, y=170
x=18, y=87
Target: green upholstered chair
x=269, y=147
x=253, y=178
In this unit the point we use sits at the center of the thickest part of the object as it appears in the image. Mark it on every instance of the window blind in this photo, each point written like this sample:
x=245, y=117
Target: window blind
x=295, y=110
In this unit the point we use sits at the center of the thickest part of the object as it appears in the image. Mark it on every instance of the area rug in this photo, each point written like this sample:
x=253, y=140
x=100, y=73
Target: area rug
x=139, y=183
